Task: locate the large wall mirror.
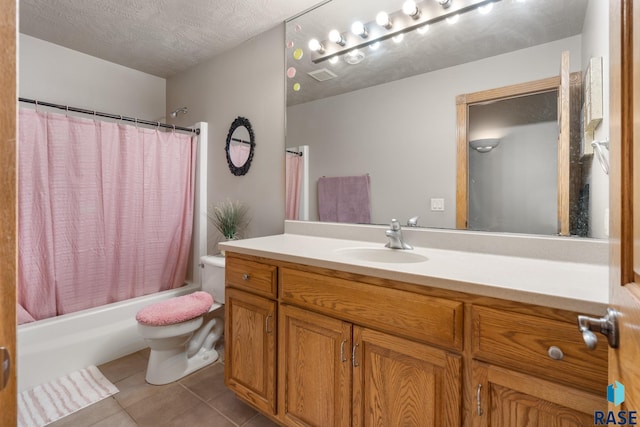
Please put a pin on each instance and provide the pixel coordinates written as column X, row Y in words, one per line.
column 389, row 109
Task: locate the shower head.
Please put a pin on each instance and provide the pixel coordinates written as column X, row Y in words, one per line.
column 183, row 110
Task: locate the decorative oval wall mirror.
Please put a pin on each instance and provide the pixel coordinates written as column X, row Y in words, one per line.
column 239, row 147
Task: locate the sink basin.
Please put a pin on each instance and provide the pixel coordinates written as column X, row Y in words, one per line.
column 384, row 255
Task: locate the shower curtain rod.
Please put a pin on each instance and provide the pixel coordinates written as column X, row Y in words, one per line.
column 111, row 116
column 297, row 153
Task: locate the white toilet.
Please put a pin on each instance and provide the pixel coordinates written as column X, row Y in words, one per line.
column 180, row 344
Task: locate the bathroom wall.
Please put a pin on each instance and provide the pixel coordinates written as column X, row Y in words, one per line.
column 595, row 42
column 245, row 81
column 413, row 122
column 52, row 73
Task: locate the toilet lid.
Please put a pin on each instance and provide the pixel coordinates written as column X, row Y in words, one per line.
column 176, row 310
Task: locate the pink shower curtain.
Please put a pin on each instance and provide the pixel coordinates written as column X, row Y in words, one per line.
column 105, row 212
column 293, row 168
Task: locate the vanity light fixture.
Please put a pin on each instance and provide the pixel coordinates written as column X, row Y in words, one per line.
column 336, row 37
column 398, row 38
column 359, row 29
column 423, row 29
column 412, row 16
column 383, row 20
column 316, row 46
column 410, row 8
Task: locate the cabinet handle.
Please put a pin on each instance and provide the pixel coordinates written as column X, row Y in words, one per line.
column 353, row 356
column 246, row 276
column 266, row 324
column 479, row 399
column 342, row 358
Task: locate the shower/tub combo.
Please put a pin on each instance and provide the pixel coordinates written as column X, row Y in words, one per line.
column 55, row 346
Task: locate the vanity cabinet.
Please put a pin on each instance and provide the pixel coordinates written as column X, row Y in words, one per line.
column 356, row 350
column 530, row 370
column 399, row 382
column 507, row 398
column 335, row 373
column 314, row 373
column 250, row 332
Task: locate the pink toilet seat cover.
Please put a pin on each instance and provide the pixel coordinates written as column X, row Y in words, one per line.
column 176, row 310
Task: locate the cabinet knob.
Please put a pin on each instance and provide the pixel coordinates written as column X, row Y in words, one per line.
column 246, row 276
column 555, row 353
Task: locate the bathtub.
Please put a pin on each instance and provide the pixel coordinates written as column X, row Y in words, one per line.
column 50, row 348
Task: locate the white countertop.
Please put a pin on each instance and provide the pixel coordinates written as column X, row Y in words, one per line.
column 566, row 285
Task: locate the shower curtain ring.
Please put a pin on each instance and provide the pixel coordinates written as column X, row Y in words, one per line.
column 66, row 114
column 36, row 106
column 174, row 128
column 157, row 126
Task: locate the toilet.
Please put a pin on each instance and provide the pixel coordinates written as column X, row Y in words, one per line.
column 180, row 340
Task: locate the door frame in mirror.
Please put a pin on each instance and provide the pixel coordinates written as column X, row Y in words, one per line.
column 463, row 102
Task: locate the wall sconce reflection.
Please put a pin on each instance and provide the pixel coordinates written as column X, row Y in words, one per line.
column 484, row 145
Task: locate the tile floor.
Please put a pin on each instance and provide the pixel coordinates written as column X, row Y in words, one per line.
column 200, row 399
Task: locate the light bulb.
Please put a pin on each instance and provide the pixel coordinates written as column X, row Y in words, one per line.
column 410, row 8
column 336, row 37
column 398, row 38
column 423, row 29
column 453, row 19
column 486, row 8
column 359, row 29
column 374, row 46
column 383, row 20
column 315, row 46
column 333, row 60
column 445, row 3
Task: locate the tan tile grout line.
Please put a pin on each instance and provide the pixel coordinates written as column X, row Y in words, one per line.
column 207, row 403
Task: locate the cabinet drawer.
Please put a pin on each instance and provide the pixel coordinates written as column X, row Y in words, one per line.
column 252, row 276
column 432, row 320
column 523, row 341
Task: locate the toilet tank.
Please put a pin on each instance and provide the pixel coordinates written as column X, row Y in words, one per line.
column 212, row 276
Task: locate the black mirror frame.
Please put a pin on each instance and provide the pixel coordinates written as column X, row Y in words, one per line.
column 240, row 170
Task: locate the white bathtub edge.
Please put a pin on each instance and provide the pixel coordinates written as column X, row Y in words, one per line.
column 51, row 348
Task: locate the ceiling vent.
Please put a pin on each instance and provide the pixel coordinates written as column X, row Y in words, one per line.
column 322, row 75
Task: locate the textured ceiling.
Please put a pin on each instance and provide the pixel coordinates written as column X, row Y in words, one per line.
column 511, row 25
column 159, row 37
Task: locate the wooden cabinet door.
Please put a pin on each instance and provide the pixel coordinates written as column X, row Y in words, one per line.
column 314, row 369
column 398, row 382
column 507, row 398
column 250, row 348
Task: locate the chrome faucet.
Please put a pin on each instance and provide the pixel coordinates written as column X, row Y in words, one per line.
column 395, row 237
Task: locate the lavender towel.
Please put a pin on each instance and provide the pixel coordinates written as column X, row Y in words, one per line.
column 345, row 199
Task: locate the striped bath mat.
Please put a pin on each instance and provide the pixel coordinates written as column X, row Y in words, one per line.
column 51, row 401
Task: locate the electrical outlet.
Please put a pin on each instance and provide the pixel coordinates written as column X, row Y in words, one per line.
column 437, row 204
